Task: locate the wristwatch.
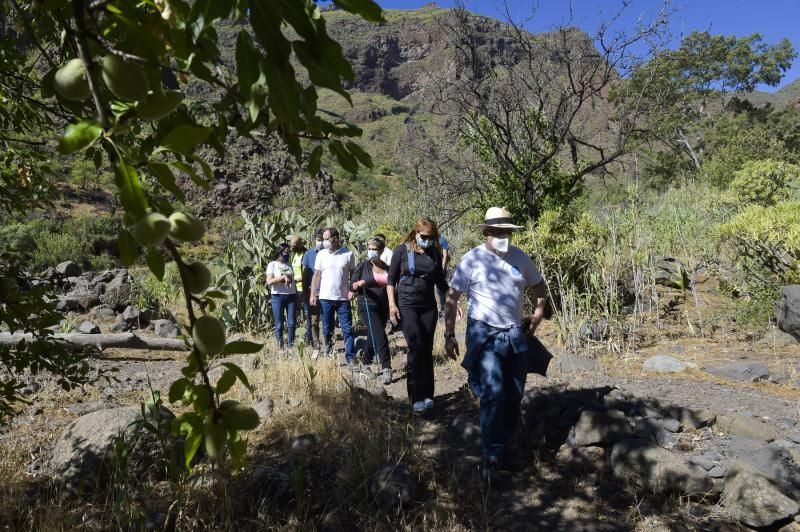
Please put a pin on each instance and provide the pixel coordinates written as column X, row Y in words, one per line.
column 449, row 335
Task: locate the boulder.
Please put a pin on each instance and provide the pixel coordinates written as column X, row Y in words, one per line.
column 87, row 327
column 591, row 458
column 117, row 294
column 135, row 318
column 658, row 469
column 103, row 311
column 166, row 328
column 747, row 426
column 391, row 487
column 787, row 311
column 593, row 330
column 692, row 418
column 570, row 363
column 670, row 272
column 754, row 501
column 778, row 338
column 68, row 269
column 741, row 371
column 78, row 301
column 663, row 364
column 599, row 427
column 83, row 455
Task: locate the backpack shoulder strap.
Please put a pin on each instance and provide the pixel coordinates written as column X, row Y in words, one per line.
column 411, row 264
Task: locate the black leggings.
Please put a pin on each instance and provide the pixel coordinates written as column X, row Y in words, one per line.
column 419, row 325
column 376, row 334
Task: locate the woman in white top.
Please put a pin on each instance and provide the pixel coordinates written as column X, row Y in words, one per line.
column 280, row 280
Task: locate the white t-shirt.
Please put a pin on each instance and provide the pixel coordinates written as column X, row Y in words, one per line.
column 386, row 256
column 494, row 285
column 335, row 268
column 278, row 269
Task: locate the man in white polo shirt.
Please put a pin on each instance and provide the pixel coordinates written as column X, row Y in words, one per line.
column 332, row 269
column 494, row 276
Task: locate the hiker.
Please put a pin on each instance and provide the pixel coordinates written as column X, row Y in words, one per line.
column 494, row 276
column 312, row 325
column 280, row 280
column 369, row 281
column 332, row 269
column 442, row 295
column 386, row 254
column 415, row 269
column 297, row 249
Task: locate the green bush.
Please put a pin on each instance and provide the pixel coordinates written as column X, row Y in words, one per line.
column 764, row 182
column 162, row 296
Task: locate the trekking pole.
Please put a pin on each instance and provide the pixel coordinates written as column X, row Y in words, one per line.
column 369, row 324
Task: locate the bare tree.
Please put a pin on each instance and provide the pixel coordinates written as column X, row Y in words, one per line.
column 534, row 107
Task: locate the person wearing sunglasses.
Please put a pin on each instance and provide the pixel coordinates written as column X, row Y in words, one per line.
column 415, row 271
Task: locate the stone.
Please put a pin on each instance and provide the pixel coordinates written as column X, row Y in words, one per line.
column 78, row 301
column 117, row 294
column 533, row 401
column 391, row 487
column 778, row 338
column 591, row 458
column 82, row 456
column 120, row 327
column 693, row 418
column 593, row 330
column 703, row 462
column 747, row 426
column 670, row 424
column 103, row 311
column 81, row 409
column 670, row 272
column 264, row 408
column 787, row 310
column 754, row 501
column 571, row 363
column 304, row 442
column 718, row 471
column 68, row 269
column 165, row 328
column 741, row 371
column 658, row 469
column 87, row 327
column 599, row 427
column 103, row 277
column 135, row 318
column 663, row 364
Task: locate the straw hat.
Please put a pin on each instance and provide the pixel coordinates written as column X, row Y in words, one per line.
column 498, row 218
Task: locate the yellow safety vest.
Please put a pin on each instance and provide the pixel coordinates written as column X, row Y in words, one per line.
column 297, row 268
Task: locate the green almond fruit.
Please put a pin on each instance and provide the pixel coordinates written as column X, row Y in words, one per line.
column 209, row 335
column 198, row 278
column 151, row 229
column 238, row 416
column 186, row 227
column 125, row 80
column 159, row 104
column 70, row 81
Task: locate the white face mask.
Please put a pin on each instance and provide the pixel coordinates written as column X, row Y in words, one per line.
column 500, row 245
column 326, row 244
column 372, row 253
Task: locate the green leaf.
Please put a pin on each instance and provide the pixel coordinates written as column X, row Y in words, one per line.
column 359, row 153
column 241, row 347
column 128, row 249
column 216, row 294
column 188, row 170
column 79, row 137
column 166, row 178
column 184, row 138
column 201, row 400
column 177, row 389
column 238, row 448
column 239, row 374
column 366, row 8
column 207, row 171
column 226, row 382
column 131, row 191
column 191, row 445
column 238, row 416
column 314, row 161
column 47, row 83
column 97, row 159
column 215, row 439
column 345, row 158
column 155, row 261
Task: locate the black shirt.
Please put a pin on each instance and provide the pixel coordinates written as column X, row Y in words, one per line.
column 375, row 294
column 417, row 290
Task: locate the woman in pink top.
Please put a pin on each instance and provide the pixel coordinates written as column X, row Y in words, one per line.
column 369, row 282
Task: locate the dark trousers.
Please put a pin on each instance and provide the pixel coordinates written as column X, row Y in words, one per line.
column 419, row 324
column 376, row 317
column 284, row 303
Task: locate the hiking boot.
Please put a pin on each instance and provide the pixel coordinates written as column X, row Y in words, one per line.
column 418, row 407
column 428, row 403
column 387, row 376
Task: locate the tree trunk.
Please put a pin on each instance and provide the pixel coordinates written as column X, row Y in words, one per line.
column 105, row 341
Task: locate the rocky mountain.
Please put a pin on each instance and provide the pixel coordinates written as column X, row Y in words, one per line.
column 787, row 96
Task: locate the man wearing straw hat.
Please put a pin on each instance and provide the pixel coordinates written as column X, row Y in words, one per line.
column 494, row 276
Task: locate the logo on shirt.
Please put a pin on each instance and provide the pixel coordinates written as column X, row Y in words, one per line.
column 515, row 271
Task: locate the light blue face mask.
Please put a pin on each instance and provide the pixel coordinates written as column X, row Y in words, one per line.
column 372, row 253
column 424, row 243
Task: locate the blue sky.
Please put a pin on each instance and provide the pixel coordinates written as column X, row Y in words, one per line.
column 773, row 19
